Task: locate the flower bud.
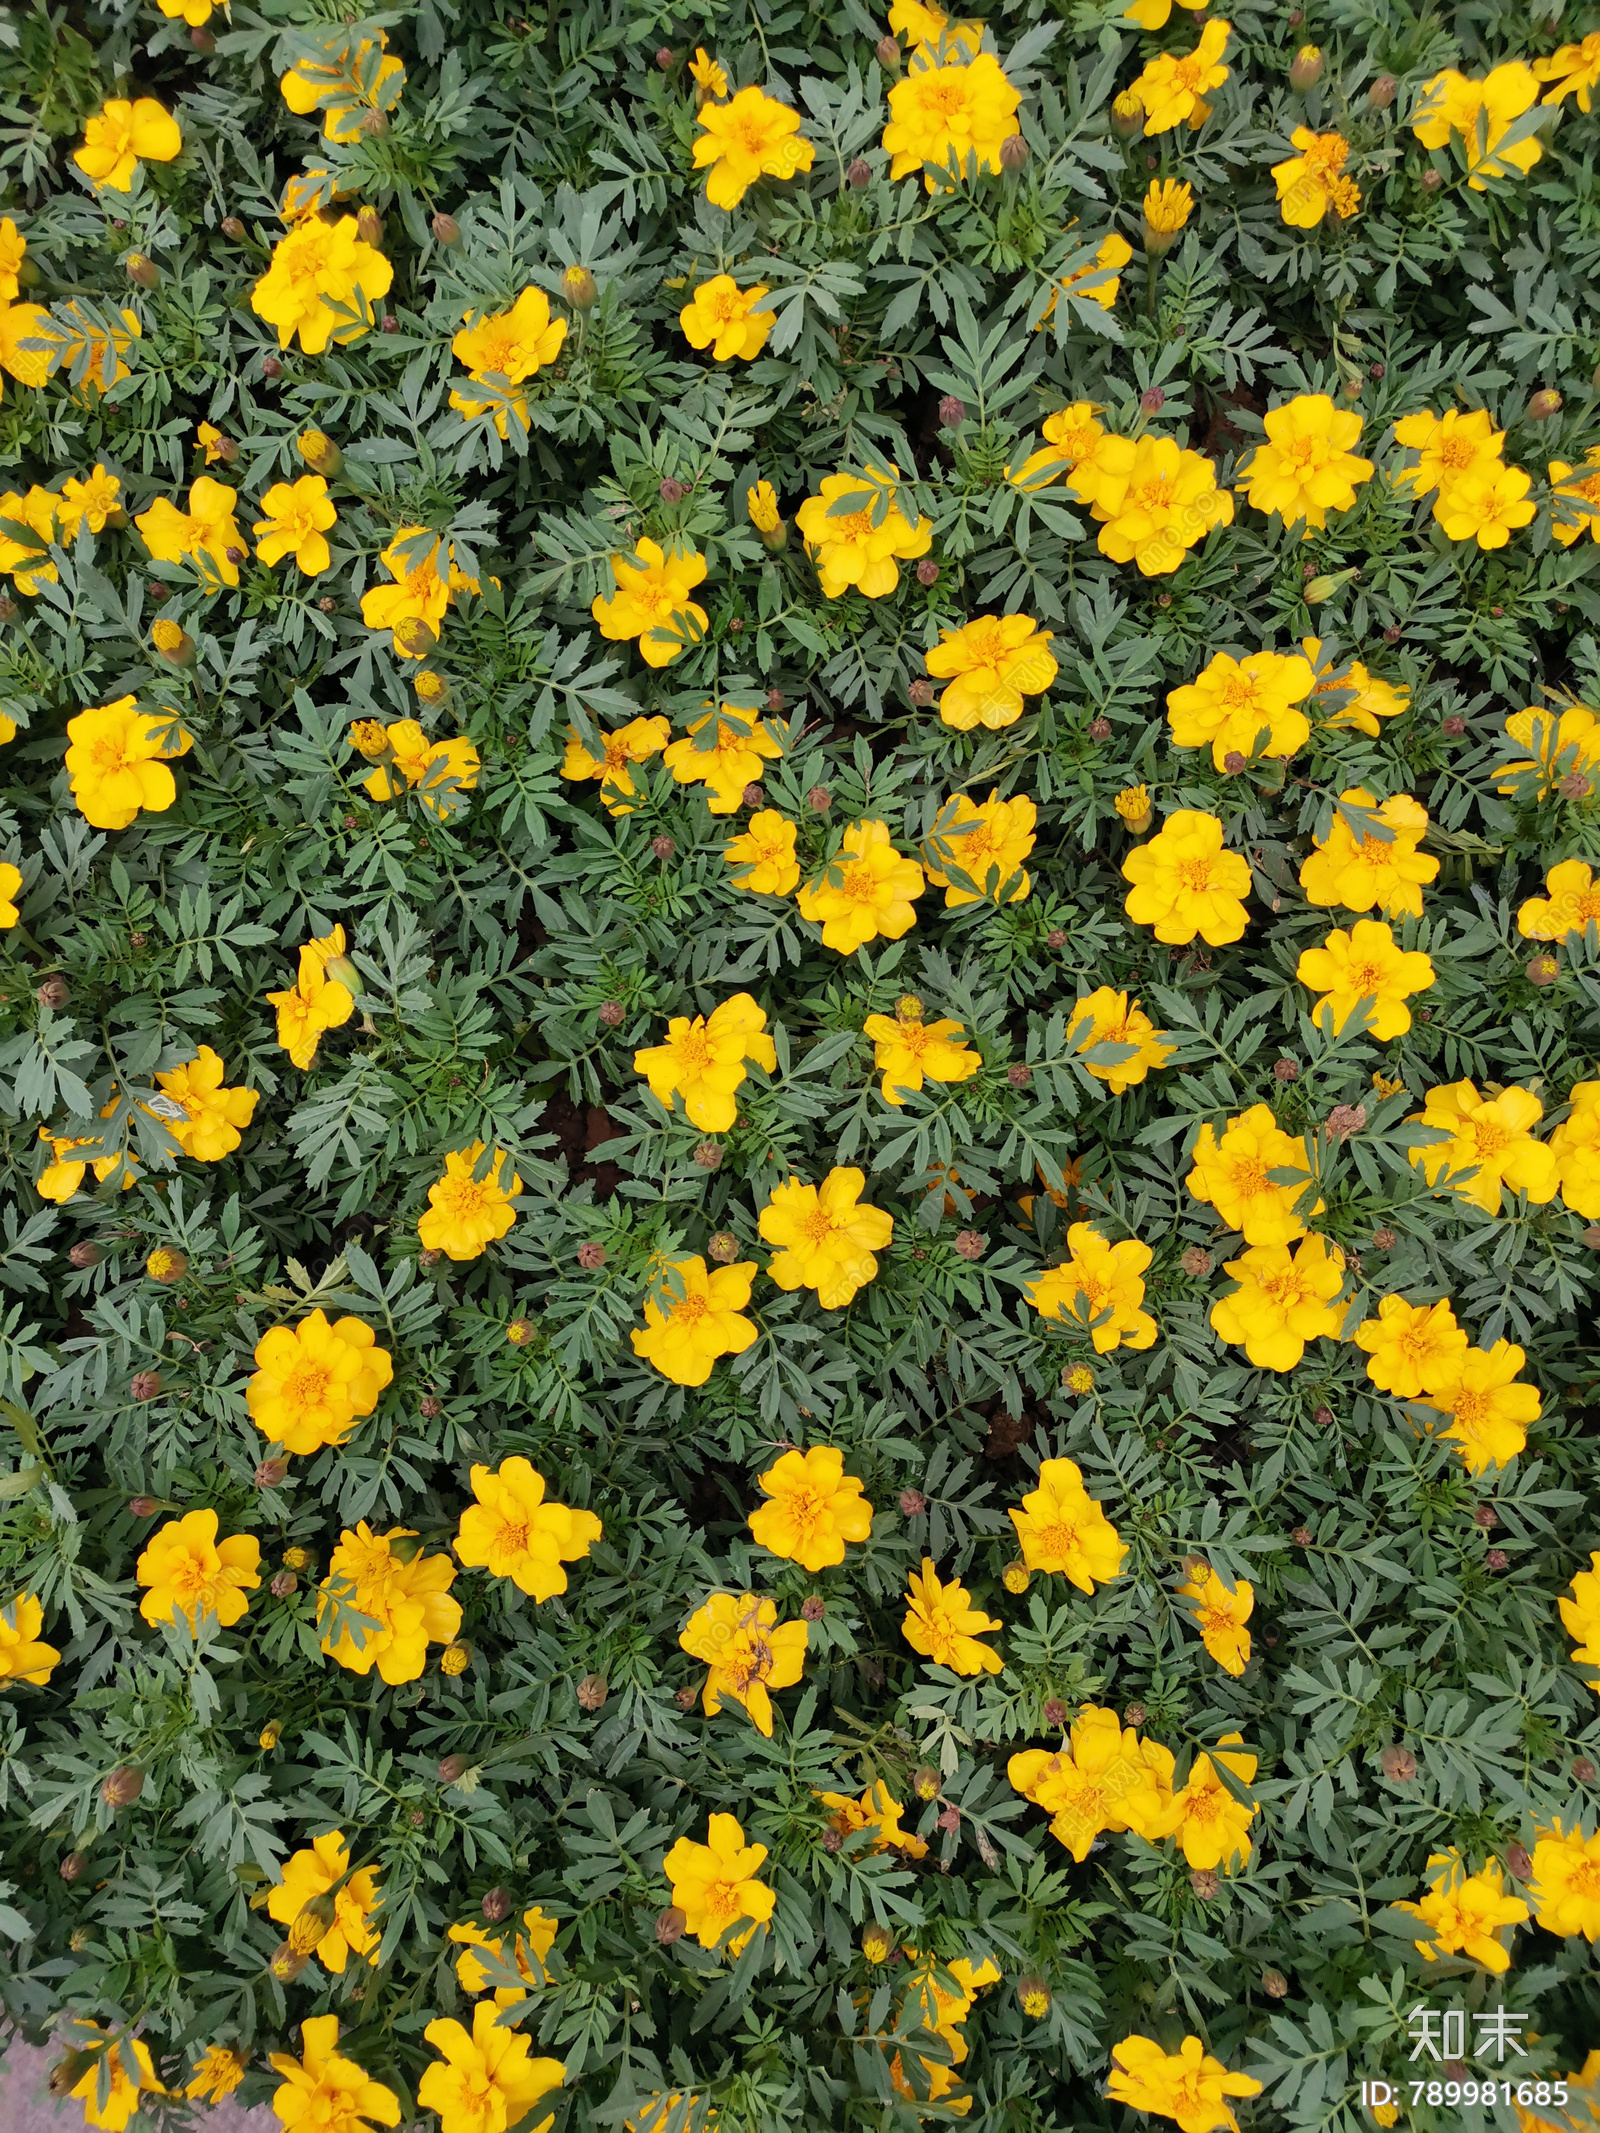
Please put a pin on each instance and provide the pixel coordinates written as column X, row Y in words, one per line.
column 1381, row 94
column 1127, row 116
column 496, row 1905
column 1322, row 1416
column 1544, row 404
column 272, row 1473
column 451, row 1768
column 312, row 1924
column 375, row 125
column 1233, row 762
column 284, row 1585
column 1302, row 1536
column 446, row 229
column 921, row 691
column 1016, row 1576
column 1274, row 1984
column 232, row 228
column 877, row 1942
column 1583, row 1770
column 1497, row 1559
column 686, row 1698
column 889, row 54
column 1399, row 1765
column 271, row 367
column 9, row 609
column 1205, row 1884
column 859, row 173
column 1453, row 727
column 414, row 638
column 1099, row 729
column 612, row 1013
column 71, row 1868
column 320, row 453
column 340, row 970
column 664, row 58
column 287, row 1962
column 388, row 324
column 591, row 1257
column 925, row 1783
column 55, row 993
column 1033, row 1995
column 166, row 1264
column 142, row 1507
column 672, row 492
column 122, row 1787
column 1013, row 152
column 1019, row 1075
column 593, row 1690
column 1519, row 1863
column 520, row 1332
column 1305, row 69
column 455, row 1659
column 298, row 1558
column 1135, row 1715
column 671, row 1925
column 579, row 288
column 1543, row 970
column 1055, row 1711
column 1431, row 180
column 708, row 1155
column 67, row 2073
column 1196, row 1261
column 969, row 1245
column 172, row 642
column 951, row 412
column 142, row 272
column 270, row 1735
column 146, row 1385
column 912, row 1503
column 812, row 1607
column 927, row 571
column 1286, row 1070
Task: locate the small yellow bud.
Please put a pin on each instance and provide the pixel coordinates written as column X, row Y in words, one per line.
column 1015, row 1577
column 579, row 288
column 455, row 1659
column 1305, row 69
column 172, row 642
column 271, row 1734
column 320, row 454
column 368, row 738
column 166, row 1264
column 877, row 1943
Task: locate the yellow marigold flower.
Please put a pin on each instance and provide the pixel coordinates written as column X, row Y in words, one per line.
column 513, row 344
column 877, row 1810
column 28, row 562
column 939, row 116
column 189, row 1572
column 1133, row 805
column 921, row 24
column 486, row 2079
column 1061, row 1528
column 1233, row 1175
column 1313, row 181
column 1580, row 1615
column 862, row 545
column 1411, row 1347
column 122, row 2104
column 469, row 1208
column 1281, row 1300
column 736, row 760
column 207, row 534
column 911, row 1051
column 22, row 1656
column 991, row 665
column 703, row 1061
column 1386, row 873
column 1568, row 526
column 761, row 503
column 1452, row 103
column 752, row 136
column 513, row 1532
column 219, row 2069
column 765, row 850
column 420, row 592
column 121, row 136
column 313, row 1381
column 1575, row 1144
column 1465, row 1913
column 1173, row 87
column 1071, row 434
column 943, row 1625
column 1493, row 1138
column 528, row 1954
column 652, row 603
column 1211, row 1826
column 1167, row 205
column 315, row 1002
column 827, row 1237
column 117, row 762
column 1563, row 741
column 714, row 1884
column 1240, row 704
column 1101, row 1286
column 1451, row 446
column 748, row 1653
column 1154, row 501
column 1099, row 1781
column 340, row 1927
column 63, row 1177
column 1220, row 1615
column 1486, row 507
column 1106, row 1018
column 13, row 250
column 10, row 883
column 1187, row 2085
column 1372, row 698
column 691, row 1317
column 1564, row 1886
column 636, row 742
column 32, row 322
column 815, row 1507
column 93, row 502
column 1306, row 468
column 345, row 84
column 723, row 317
column 212, row 1116
column 439, row 771
column 1184, row 883
column 866, row 891
column 1574, row 68
column 323, row 2088
column 1362, row 965
column 409, row 1601
column 211, row 441
column 295, row 522
column 986, row 841
column 707, row 76
column 1489, row 1413
column 316, row 266
column 1114, row 251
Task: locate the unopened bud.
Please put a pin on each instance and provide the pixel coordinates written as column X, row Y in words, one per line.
column 287, row 1962
column 496, row 1906
column 1286, row 1070
column 54, row 992
column 1305, row 69
column 1497, row 1559
column 591, row 1256
column 146, row 1385
column 912, row 1503
column 723, row 1247
column 579, row 288
column 455, row 1659
column 812, row 1607
column 1302, row 1536
column 9, row 609
column 708, row 1155
column 671, row 1925
column 663, row 847
column 889, row 54
column 921, row 691
column 414, row 638
column 320, row 453
column 1322, row 1416
column 859, row 173
column 1583, row 1770
column 1574, row 786
column 1099, row 729
column 1543, row 970
column 122, row 1787
column 951, row 412
column 232, row 228
column 142, row 1506
column 672, row 491
column 612, row 1013
column 925, row 1783
column 171, row 641
column 68, row 2072
column 1152, row 400
column 1519, row 1863
column 1453, row 727
column 1127, row 116
column 166, row 1265
column 1274, row 1984
column 927, row 571
column 1204, row 1882
column 969, row 1244
column 819, row 799
column 1013, row 152
column 446, row 229
column 1055, row 1711
column 84, row 1254
column 202, row 41
column 272, row 1473
column 1233, row 762
column 1543, row 405
column 451, row 1768
column 1399, row 1765
column 520, row 1332
column 1016, row 1576
column 270, row 1735
column 685, row 1698
column 1033, row 1995
column 1381, row 94
column 142, row 272
column 1196, row 1261
column 271, row 367
column 1019, row 1075
column 593, row 1690
column 284, row 1584
column 71, row 1868
column 375, row 125
column 1431, row 180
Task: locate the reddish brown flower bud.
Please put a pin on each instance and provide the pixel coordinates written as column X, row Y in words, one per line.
column 969, row 1244
column 1543, row 405
column 663, row 847
column 146, row 1385
column 1574, row 786
column 1152, row 400
column 388, row 323
column 889, row 54
column 612, row 1014
column 1055, row 1711
column 84, row 1254
column 446, row 229
column 1135, row 1715
column 951, row 412
column 1497, row 1559
column 672, row 491
column 686, row 1698
column 753, row 796
column 1322, row 1416
column 520, row 1332
column 1196, row 1261
column 143, row 1506
column 723, row 1247
column 272, row 1473
column 1583, row 1770
column 271, row 367
column 453, row 1767
column 819, row 799
column 1287, row 1070
column 232, row 228
column 593, row 1690
column 1393, row 633
column 1204, row 1882
column 496, row 1906
column 912, row 1503
column 1019, row 1075
column 1274, row 1984
column 921, row 691
column 591, row 1256
column 71, row 1868
column 708, row 1155
column 122, row 1787
column 1431, row 181
column 1099, row 729
column 1399, row 1765
column 1384, row 1240
column 283, row 1584
column 1013, row 152
column 1302, row 1536
column 1381, row 94
column 859, row 173
column 831, row 1840
column 1233, row 762
column 1519, row 1862
column 55, row 993
column 1486, row 1516
column 925, row 1783
column 927, row 571
column 429, row 1408
column 671, row 1925
column 1056, row 937
column 812, row 1607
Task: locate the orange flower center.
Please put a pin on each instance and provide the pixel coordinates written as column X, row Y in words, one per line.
column 1325, row 157
column 1248, row 1176
column 860, row 884
column 694, row 1049
column 1365, row 977
column 308, row 1385
column 108, row 756
column 1471, row 1407
column 1585, row 1879
column 1057, row 1539
column 817, row 1227
column 688, row 1311
column 1154, row 494
column 1194, row 874
column 1489, row 1138
column 854, row 526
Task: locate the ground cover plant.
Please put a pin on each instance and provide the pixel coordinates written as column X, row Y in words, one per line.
column 800, row 1063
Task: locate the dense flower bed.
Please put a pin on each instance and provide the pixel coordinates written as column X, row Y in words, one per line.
column 801, row 1065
